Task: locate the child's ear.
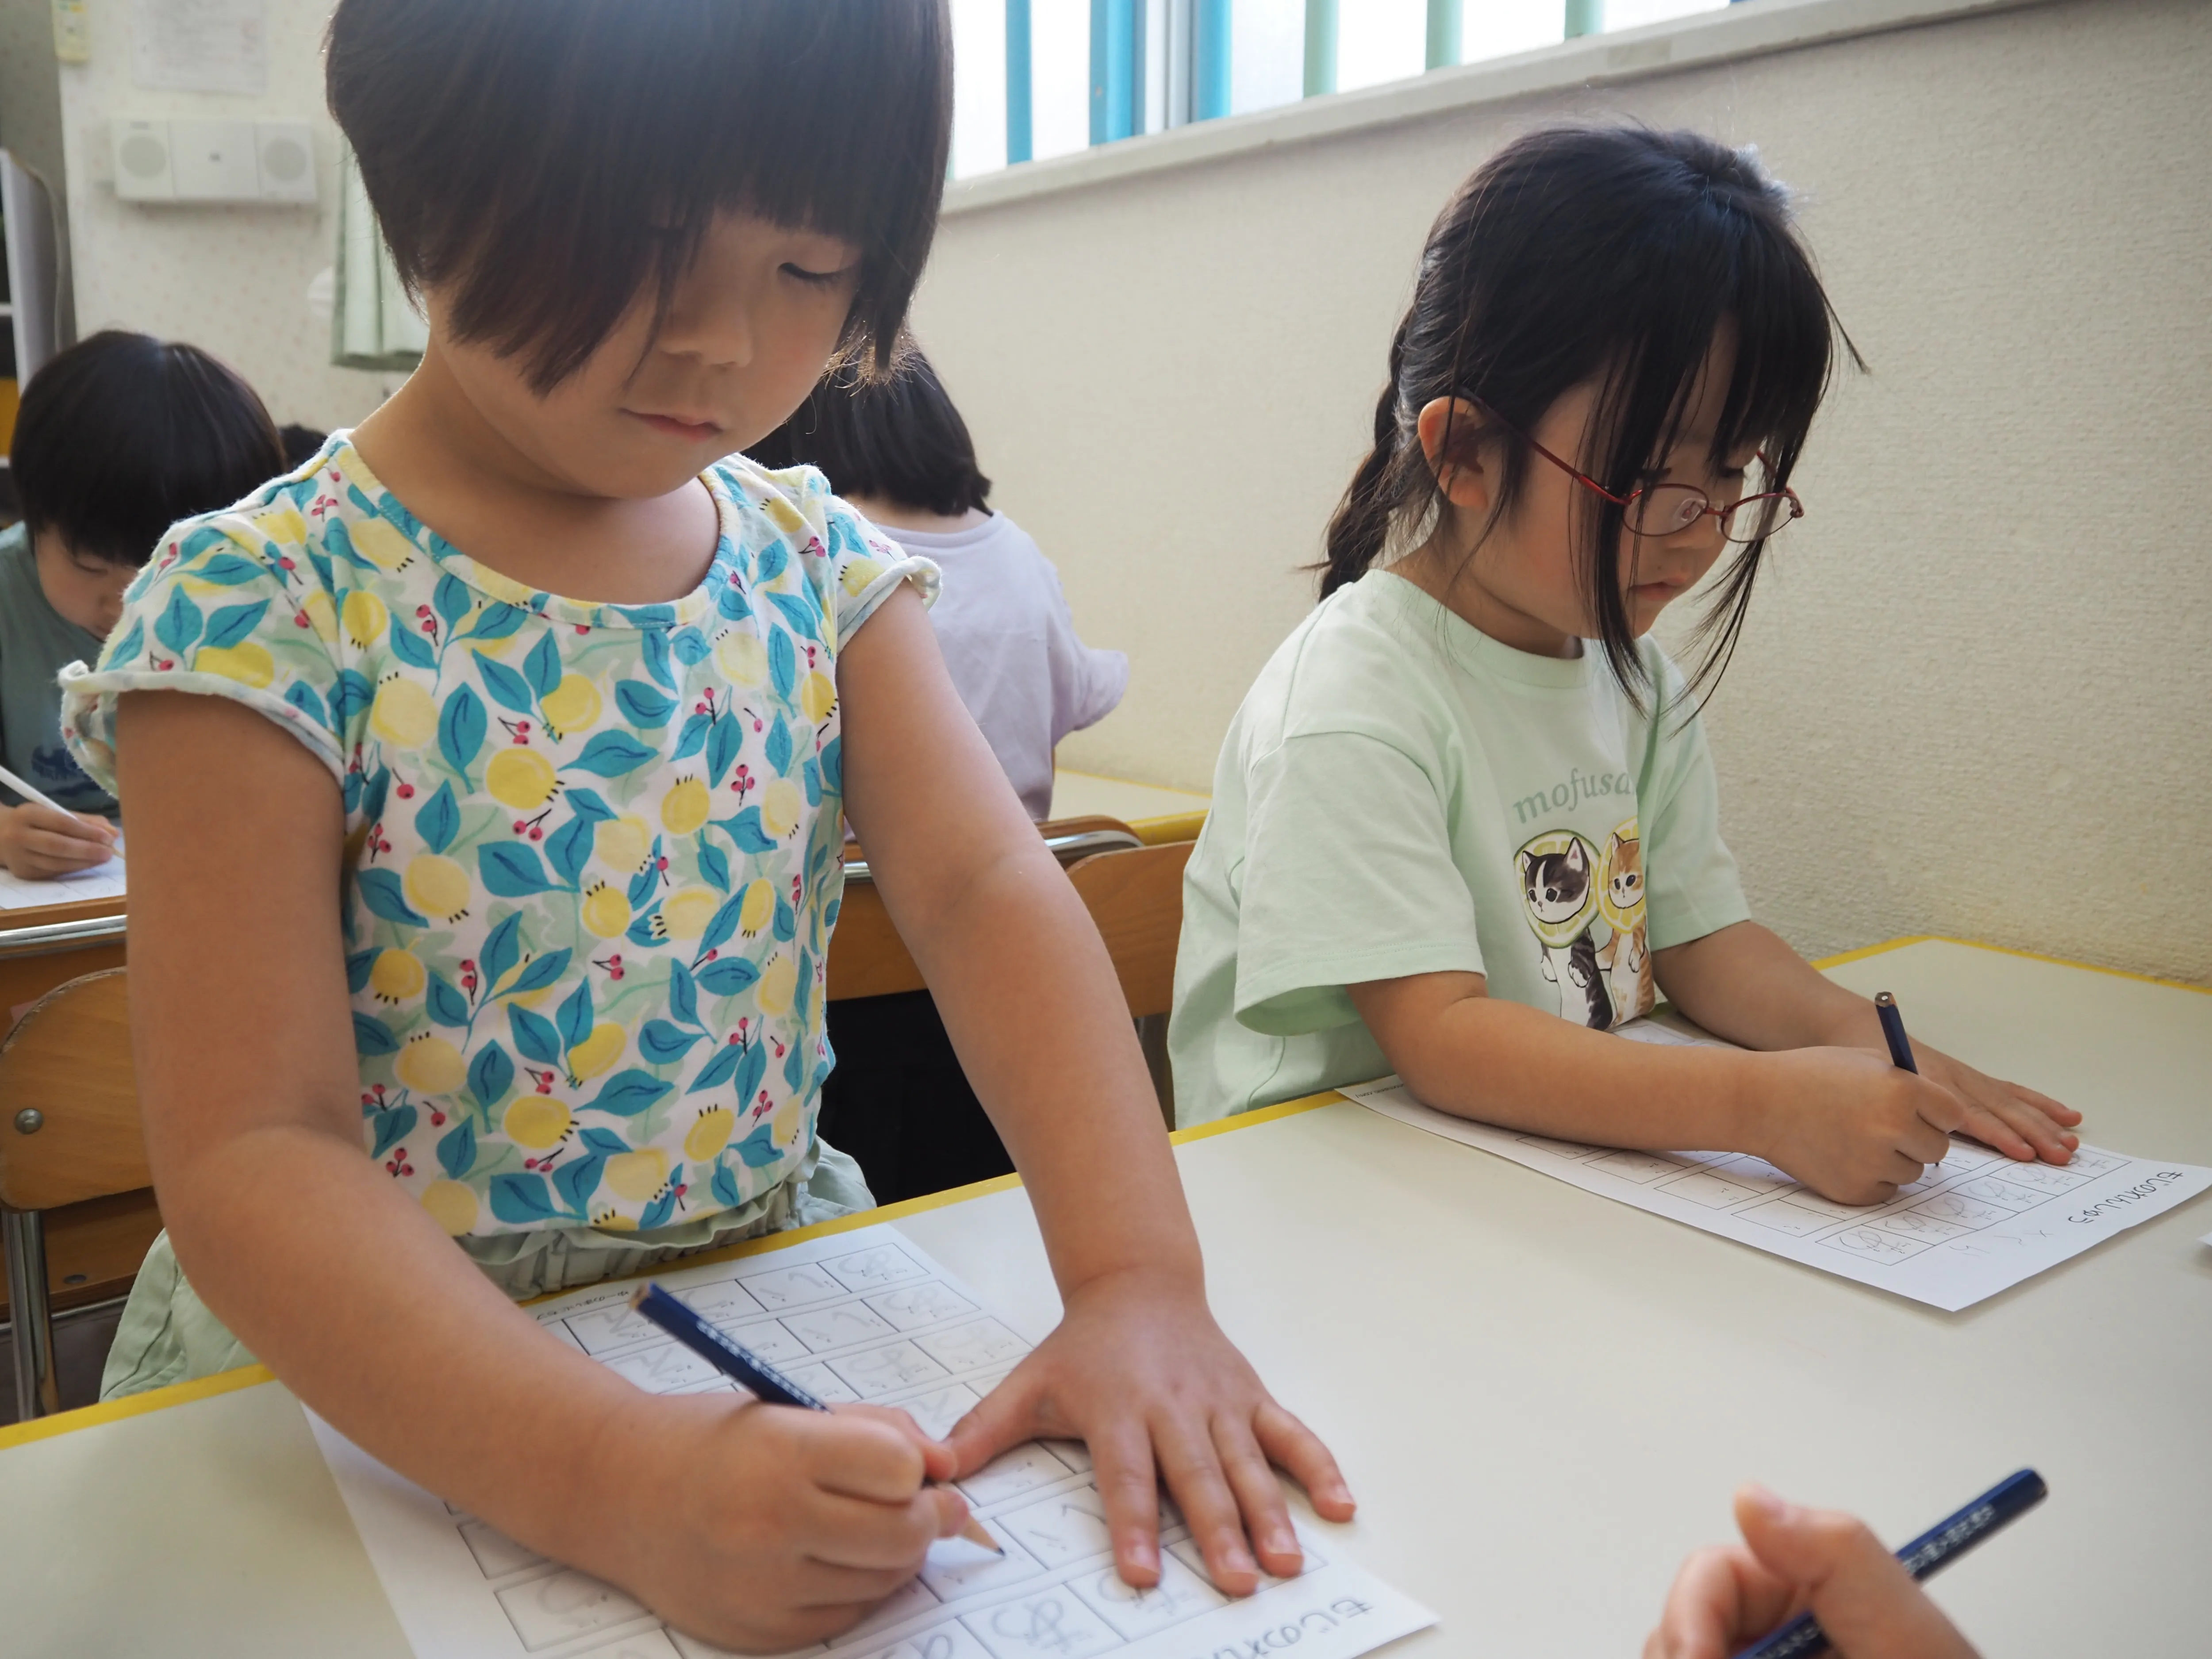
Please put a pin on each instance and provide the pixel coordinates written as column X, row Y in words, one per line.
column 1450, row 431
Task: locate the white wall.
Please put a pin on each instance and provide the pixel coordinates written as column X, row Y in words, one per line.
column 231, row 279
column 1972, row 698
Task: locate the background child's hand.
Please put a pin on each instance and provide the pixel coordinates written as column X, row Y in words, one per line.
column 1138, row 1370
column 2012, row 1119
column 1850, row 1124
column 38, row 843
column 763, row 1528
column 1801, row 1559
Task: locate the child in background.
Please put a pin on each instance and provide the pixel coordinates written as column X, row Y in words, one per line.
column 1795, row 1560
column 896, row 450
column 1468, row 796
column 118, row 437
column 495, row 763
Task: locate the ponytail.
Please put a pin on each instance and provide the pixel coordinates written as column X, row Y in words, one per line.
column 1359, row 529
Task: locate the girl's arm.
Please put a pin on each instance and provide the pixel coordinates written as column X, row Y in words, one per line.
column 1743, row 983
column 242, row 1032
column 1843, row 1120
column 1137, row 1368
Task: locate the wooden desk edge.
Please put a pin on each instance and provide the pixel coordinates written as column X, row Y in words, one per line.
column 179, row 1394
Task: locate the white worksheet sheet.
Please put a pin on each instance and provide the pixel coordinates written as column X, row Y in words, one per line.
column 103, row 881
column 861, row 1315
column 1974, row 1225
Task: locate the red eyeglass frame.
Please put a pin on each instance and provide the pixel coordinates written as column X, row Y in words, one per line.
column 1624, row 502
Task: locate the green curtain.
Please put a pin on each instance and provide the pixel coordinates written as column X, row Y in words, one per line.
column 374, row 324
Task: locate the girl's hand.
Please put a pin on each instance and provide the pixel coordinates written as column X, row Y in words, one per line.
column 38, row 843
column 1139, row 1371
column 763, row 1528
column 1850, row 1124
column 2005, row 1116
column 1801, row 1560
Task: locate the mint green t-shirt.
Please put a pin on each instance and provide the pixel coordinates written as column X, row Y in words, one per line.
column 1401, row 794
column 36, row 643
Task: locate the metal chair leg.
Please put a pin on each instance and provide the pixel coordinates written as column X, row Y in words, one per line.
column 37, row 1392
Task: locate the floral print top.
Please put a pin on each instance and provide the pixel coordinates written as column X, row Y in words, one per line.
column 593, row 851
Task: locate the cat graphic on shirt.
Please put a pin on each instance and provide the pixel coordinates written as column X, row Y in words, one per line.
column 1559, row 885
column 1625, row 958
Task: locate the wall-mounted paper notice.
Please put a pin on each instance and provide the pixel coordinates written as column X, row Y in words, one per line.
column 200, row 45
column 859, row 1316
column 1972, row 1225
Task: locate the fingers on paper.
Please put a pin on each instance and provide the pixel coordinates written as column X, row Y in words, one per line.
column 1128, row 1483
column 1293, row 1447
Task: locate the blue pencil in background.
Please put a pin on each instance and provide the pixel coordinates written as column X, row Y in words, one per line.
column 1934, row 1550
column 739, row 1364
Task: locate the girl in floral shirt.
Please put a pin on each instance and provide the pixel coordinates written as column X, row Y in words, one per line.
column 484, row 779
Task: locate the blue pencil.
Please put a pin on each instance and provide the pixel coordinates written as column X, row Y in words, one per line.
column 762, row 1380
column 1934, row 1550
column 1893, row 1030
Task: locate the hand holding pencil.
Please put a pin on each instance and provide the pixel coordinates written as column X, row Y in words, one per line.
column 41, row 840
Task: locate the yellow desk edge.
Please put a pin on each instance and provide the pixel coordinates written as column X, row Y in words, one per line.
column 179, row 1394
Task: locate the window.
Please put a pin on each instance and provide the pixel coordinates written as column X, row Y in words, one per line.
column 1040, row 78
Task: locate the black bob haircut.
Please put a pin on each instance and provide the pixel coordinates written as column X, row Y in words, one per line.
column 121, row 436
column 1613, row 255
column 895, row 437
column 547, row 161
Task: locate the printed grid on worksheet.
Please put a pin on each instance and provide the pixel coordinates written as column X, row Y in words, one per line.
column 875, row 1325
column 1972, row 1189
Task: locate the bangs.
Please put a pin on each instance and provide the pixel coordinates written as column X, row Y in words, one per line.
column 503, row 140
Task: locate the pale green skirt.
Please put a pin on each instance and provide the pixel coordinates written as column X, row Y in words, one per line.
column 167, row 1335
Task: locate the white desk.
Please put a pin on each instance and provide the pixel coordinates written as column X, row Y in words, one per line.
column 1542, row 1399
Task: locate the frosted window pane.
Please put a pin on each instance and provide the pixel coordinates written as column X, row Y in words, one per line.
column 979, row 87
column 1059, row 89
column 1634, row 13
column 1379, row 40
column 1499, row 28
column 1266, row 53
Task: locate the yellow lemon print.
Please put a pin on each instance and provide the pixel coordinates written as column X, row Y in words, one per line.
column 572, row 706
column 598, row 1051
column 316, row 608
column 741, row 656
column 708, row 1133
column 430, row 1066
column 452, row 1205
column 520, row 778
column 381, row 544
column 686, row 913
column 784, row 1125
column 858, row 573
column 364, row 616
column 282, row 524
column 621, row 843
column 504, row 588
column 758, row 908
column 780, row 805
column 437, row 886
column 817, row 695
column 776, row 984
column 403, row 715
column 397, row 975
column 248, row 663
column 613, row 1223
column 607, row 909
column 684, row 808
column 535, row 1122
column 637, row 1176
column 786, row 517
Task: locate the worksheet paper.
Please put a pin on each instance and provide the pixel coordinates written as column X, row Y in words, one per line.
column 1974, row 1225
column 861, row 1315
column 103, row 881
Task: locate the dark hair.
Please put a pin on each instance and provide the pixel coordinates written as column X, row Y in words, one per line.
column 1613, row 254
column 896, row 438
column 121, row 436
column 550, row 159
column 301, row 444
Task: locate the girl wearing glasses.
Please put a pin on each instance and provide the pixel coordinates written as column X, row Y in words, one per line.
column 1466, row 824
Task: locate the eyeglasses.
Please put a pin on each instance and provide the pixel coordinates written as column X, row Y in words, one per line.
column 1669, row 509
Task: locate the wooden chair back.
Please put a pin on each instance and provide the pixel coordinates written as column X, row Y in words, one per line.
column 1136, row 898
column 867, row 957
column 68, row 1061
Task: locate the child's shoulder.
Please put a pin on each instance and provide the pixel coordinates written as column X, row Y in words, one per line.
column 795, row 508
